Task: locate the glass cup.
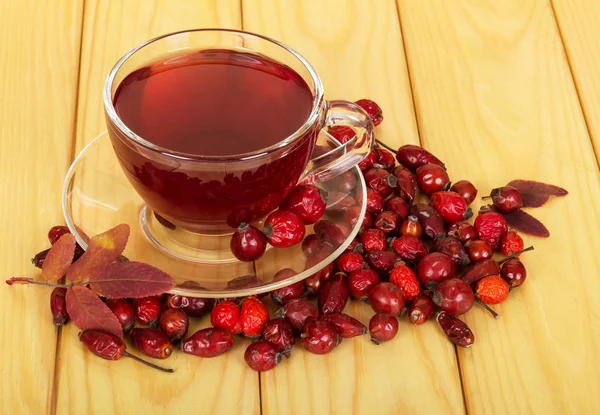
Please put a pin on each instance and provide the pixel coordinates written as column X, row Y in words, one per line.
column 210, row 195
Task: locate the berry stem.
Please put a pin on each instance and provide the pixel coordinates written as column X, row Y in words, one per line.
column 379, row 143
column 486, row 197
column 487, row 307
column 152, row 365
column 514, row 255
column 27, row 281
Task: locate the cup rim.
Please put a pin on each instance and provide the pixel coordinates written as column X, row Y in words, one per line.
column 114, row 118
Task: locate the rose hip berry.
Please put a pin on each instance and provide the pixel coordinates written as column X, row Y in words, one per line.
column 174, row 323
column 381, row 180
column 281, row 295
column 361, row 282
column 210, row 342
column 404, row 278
column 432, row 178
column 351, row 216
column 399, row 206
column 492, row 289
column 454, row 249
column 341, row 133
column 406, row 186
column 262, row 356
column 381, row 261
column 298, row 312
column 412, row 157
column 421, row 310
column 226, row 315
column 375, row 201
column 320, row 337
column 454, row 296
column 507, row 199
column 306, row 202
column 58, row 306
column 329, row 233
column 479, row 250
column 479, row 270
column 193, row 306
column 386, row 298
column 490, row 227
column 373, row 240
column 451, row 206
column 463, row 231
column 388, row 222
column 371, row 108
column 368, row 162
column 313, row 283
column 147, row 310
column 152, row 342
column 333, row 296
column 284, row 229
column 56, row 232
column 123, row 310
column 455, row 330
column 385, row 159
column 345, row 325
column 511, row 242
column 513, row 272
column 311, row 245
column 435, row 268
column 349, row 261
column 253, row 317
column 248, row 243
column 430, row 220
column 411, row 227
column 466, row 189
column 383, row 328
column 409, row 248
column 280, row 332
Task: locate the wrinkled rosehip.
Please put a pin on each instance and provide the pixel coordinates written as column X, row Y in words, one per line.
column 307, row 202
column 409, row 248
column 333, row 296
column 511, row 243
column 361, row 282
column 310, row 245
column 298, row 312
column 58, row 306
column 147, row 310
column 404, row 278
column 381, row 261
column 280, row 332
column 454, row 249
column 413, row 157
column 490, row 227
column 406, row 184
column 152, row 342
column 388, row 222
column 281, row 295
column 123, row 310
column 398, row 206
column 492, row 289
column 451, row 206
column 352, row 215
column 432, row 178
column 411, row 227
column 368, row 162
column 174, row 323
column 355, row 246
column 480, row 270
column 466, row 189
column 513, row 272
column 381, row 180
column 430, row 220
column 507, row 199
column 339, row 203
column 383, row 328
column 39, row 258
column 248, row 243
column 253, row 317
column 386, row 298
column 454, row 296
column 455, row 330
column 375, row 202
column 103, row 344
column 193, row 306
column 373, row 240
column 478, row 250
column 210, row 342
column 349, row 261
column 463, row 231
column 56, row 232
column 372, row 109
column 314, row 283
column 262, row 356
column 346, row 326
column 284, row 229
column 385, row 159
column 435, row 268
column 341, row 133
column 421, row 309
column 226, row 315
column 320, row 337
column 329, row 233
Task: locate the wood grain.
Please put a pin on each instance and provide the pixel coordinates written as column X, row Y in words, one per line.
column 39, row 61
column 579, row 24
column 356, row 47
column 495, row 99
column 87, row 384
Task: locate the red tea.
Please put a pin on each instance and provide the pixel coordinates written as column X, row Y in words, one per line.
column 213, row 103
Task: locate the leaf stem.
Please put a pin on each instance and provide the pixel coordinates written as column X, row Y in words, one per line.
column 487, row 307
column 379, row 143
column 27, row 281
column 515, row 254
column 152, row 365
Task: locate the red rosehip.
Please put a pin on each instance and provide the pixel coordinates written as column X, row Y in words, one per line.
column 320, row 337
column 253, row 317
column 492, row 289
column 226, row 315
column 371, row 108
column 306, row 202
column 58, row 307
column 404, row 278
column 349, row 261
column 341, row 133
column 490, row 227
column 432, row 178
column 280, row 332
column 513, row 272
column 147, row 310
column 507, row 199
column 386, row 298
column 409, row 248
column 375, row 201
column 311, row 245
column 373, row 240
column 334, row 295
column 511, row 243
column 152, row 342
column 388, row 222
column 466, row 189
column 411, row 227
column 329, row 233
column 435, row 267
column 399, row 206
column 406, row 186
column 124, row 312
column 298, row 312
column 209, row 342
column 451, row 206
column 345, row 325
column 454, row 249
column 368, row 162
column 352, row 215
column 383, row 328
column 248, row 243
column 174, row 323
column 381, row 261
column 262, row 355
column 56, row 232
column 421, row 309
column 360, row 283
column 281, row 295
column 412, row 157
column 430, row 220
column 454, row 296
column 463, row 231
column 478, row 250
column 385, row 159
column 355, row 246
column 380, row 180
column 284, row 229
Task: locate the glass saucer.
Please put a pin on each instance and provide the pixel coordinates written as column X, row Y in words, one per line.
column 98, row 196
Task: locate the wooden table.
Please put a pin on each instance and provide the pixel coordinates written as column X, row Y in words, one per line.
column 498, row 89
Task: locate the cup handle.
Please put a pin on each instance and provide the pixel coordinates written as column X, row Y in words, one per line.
column 347, row 155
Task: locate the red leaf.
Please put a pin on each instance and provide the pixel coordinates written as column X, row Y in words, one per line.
column 129, row 280
column 526, row 223
column 535, row 194
column 59, row 258
column 103, row 249
column 87, row 311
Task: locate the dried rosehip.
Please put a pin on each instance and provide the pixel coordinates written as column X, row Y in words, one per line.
column 208, row 342
column 248, row 243
column 511, row 243
column 352, row 215
column 381, row 180
column 262, row 356
column 349, row 261
column 307, row 202
column 412, row 157
column 284, row 229
column 329, row 233
column 435, row 268
column 375, row 201
column 492, row 289
column 451, row 206
column 368, row 162
column 411, row 227
column 345, row 325
column 430, row 220
column 398, row 206
column 58, row 306
column 311, row 245
column 432, row 178
column 454, row 249
column 490, row 227
column 281, row 295
column 455, row 330
column 152, row 342
column 420, row 310
column 314, row 283
column 406, row 184
column 481, row 269
column 340, row 202
column 385, row 159
column 56, row 232
column 226, row 314
column 147, row 310
column 193, row 306
column 355, row 246
column 409, row 248
column 253, row 317
column 388, row 222
column 513, row 272
column 372, row 109
column 466, row 189
column 373, row 240
column 386, row 298
column 174, row 323
column 123, row 310
column 39, row 258
column 479, row 250
column 298, row 312
column 333, row 296
column 383, row 328
column 360, row 283
column 381, row 261
column 280, row 332
column 404, row 278
column 454, row 296
column 507, row 199
column 320, row 337
column 341, row 133
column 463, row 231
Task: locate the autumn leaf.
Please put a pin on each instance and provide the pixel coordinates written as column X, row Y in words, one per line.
column 535, row 194
column 526, row 223
column 102, row 249
column 129, row 280
column 87, row 311
column 59, row 258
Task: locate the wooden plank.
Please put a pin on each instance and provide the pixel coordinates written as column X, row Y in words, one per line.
column 579, row 25
column 88, row 384
column 496, row 101
column 356, row 47
column 39, row 61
